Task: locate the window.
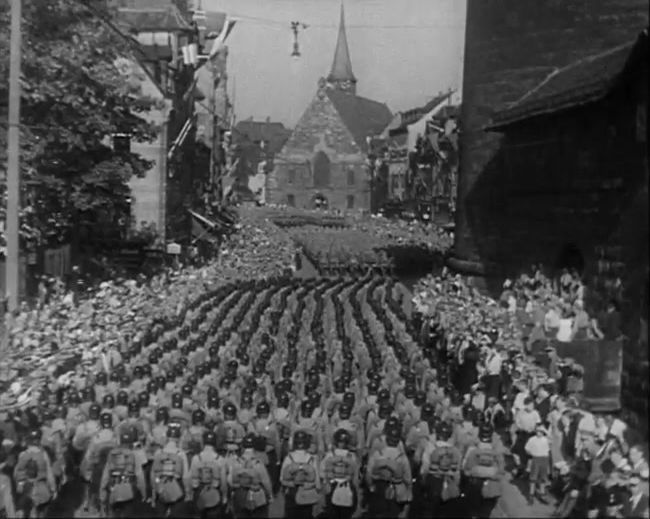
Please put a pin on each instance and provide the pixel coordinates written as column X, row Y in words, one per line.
column 350, row 176
column 291, row 200
column 121, row 143
column 291, row 178
column 350, row 201
column 322, row 169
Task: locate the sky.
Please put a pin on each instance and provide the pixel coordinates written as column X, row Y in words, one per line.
column 403, row 52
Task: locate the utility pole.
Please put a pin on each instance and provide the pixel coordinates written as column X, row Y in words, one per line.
column 12, row 255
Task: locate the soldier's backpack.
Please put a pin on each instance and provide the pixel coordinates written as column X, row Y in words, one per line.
column 387, row 468
column 486, row 464
column 443, row 459
column 31, row 469
column 338, row 470
column 121, row 470
column 168, row 471
column 303, row 476
column 209, row 495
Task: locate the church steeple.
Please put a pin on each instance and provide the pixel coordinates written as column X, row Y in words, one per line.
column 341, row 76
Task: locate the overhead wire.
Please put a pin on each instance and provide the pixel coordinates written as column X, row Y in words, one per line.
column 279, row 23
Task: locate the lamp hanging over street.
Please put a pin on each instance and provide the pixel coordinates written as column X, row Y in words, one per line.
column 295, row 27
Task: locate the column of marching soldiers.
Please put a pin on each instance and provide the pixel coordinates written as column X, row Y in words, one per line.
column 300, row 387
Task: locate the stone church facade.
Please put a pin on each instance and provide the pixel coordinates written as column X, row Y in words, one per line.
column 323, row 163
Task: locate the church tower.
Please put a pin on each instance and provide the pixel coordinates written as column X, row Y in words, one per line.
column 341, row 76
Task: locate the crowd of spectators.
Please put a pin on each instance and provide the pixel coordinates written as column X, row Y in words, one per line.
column 591, row 463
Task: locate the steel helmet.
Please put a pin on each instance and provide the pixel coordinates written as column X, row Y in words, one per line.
column 443, row 431
column 122, row 398
column 301, row 440
column 393, row 436
column 126, row 436
column 342, row 438
column 209, row 438
column 348, row 398
column 229, row 411
column 306, row 408
column 345, row 411
column 94, row 411
column 162, row 415
column 174, row 430
column 198, row 417
column 134, row 408
column 410, row 391
column 213, row 401
column 385, row 410
column 152, row 386
column 106, row 420
column 108, row 401
column 427, row 411
column 177, row 401
column 263, row 409
column 248, row 442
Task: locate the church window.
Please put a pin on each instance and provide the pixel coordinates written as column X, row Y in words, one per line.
column 291, row 200
column 350, row 201
column 350, row 176
column 322, row 170
column 292, row 176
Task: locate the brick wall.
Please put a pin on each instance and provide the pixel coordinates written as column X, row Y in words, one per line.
column 319, row 129
column 512, row 45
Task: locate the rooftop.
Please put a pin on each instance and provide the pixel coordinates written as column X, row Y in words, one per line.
column 363, row 117
column 584, row 81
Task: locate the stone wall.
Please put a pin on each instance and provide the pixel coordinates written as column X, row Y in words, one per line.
column 319, row 129
column 511, row 46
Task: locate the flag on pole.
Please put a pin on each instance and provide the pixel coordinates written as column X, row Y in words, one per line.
column 220, row 40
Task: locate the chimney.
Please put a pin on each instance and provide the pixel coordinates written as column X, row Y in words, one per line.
column 268, row 120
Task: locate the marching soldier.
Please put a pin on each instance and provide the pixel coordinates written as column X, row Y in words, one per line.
column 440, row 471
column 170, row 477
column 250, row 483
column 389, row 478
column 340, row 474
column 484, row 466
column 299, row 475
column 35, row 485
column 209, row 478
column 122, row 483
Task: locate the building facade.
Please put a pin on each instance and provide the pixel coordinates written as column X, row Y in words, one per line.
column 324, row 161
column 511, row 46
column 196, row 108
column 575, row 179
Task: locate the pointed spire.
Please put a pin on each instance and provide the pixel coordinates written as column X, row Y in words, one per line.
column 341, row 76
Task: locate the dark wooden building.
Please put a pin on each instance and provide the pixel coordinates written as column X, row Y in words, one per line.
column 554, row 152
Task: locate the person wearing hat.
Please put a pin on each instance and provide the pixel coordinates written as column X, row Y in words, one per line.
column 538, row 447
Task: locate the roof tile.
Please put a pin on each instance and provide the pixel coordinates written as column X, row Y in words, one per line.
column 583, row 81
column 363, row 117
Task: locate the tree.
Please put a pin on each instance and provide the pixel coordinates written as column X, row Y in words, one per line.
column 74, row 99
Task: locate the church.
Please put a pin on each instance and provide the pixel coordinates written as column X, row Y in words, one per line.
column 323, row 163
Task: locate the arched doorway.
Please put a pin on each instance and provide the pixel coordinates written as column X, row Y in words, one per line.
column 322, row 170
column 570, row 257
column 319, row 201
